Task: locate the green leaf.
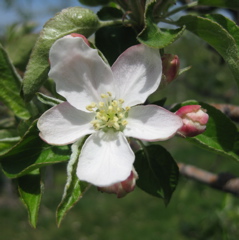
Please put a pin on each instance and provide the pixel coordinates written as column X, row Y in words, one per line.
column 70, row 20
column 230, row 26
column 74, row 189
column 158, row 172
column 8, row 138
column 221, row 35
column 19, row 50
column 152, row 35
column 112, row 41
column 220, row 135
column 10, row 84
column 234, row 4
column 30, row 188
column 48, row 100
column 31, row 153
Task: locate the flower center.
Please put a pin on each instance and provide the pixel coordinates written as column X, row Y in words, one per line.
column 109, row 113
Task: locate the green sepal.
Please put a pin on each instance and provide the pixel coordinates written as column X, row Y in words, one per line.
column 31, row 153
column 221, row 135
column 157, row 170
column 30, row 188
column 70, row 20
column 74, row 188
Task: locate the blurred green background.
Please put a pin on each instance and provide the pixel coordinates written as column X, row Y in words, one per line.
column 195, row 212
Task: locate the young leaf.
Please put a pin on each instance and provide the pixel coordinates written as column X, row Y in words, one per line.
column 74, row 189
column 152, row 35
column 70, row 20
column 31, row 153
column 158, row 172
column 233, row 4
column 221, row 132
column 221, row 36
column 30, row 188
column 10, row 83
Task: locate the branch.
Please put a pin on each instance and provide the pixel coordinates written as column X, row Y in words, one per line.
column 225, row 182
column 231, row 111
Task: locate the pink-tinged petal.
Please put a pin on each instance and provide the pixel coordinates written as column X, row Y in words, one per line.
column 152, row 123
column 105, row 159
column 72, row 35
column 64, row 124
column 122, row 188
column 79, row 72
column 194, row 120
column 137, row 74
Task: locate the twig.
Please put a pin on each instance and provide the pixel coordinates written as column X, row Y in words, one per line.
column 225, row 182
column 231, row 111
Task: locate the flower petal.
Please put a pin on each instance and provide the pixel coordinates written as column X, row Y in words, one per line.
column 137, row 74
column 151, row 123
column 64, row 124
column 105, row 159
column 79, row 72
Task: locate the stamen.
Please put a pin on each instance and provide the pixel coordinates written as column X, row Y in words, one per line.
column 103, row 95
column 109, row 114
column 101, row 104
column 91, row 106
column 124, row 122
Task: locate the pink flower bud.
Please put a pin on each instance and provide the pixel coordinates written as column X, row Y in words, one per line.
column 194, row 119
column 78, row 35
column 171, row 66
column 122, row 188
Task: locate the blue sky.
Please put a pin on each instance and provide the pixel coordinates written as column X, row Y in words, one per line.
column 38, row 10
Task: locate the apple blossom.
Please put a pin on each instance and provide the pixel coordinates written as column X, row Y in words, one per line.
column 194, row 119
column 102, row 101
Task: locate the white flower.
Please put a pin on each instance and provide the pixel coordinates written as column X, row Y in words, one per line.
column 101, row 102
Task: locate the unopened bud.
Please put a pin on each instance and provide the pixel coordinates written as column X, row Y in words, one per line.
column 73, row 35
column 171, row 66
column 122, row 188
column 194, row 119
